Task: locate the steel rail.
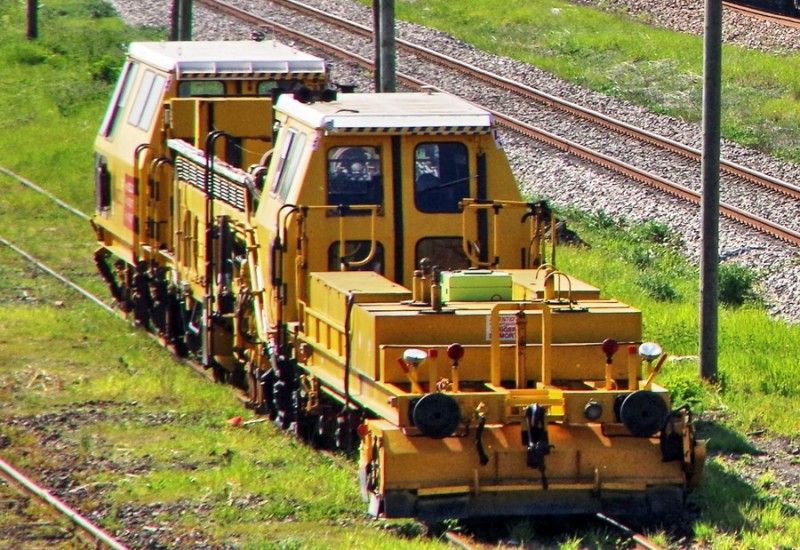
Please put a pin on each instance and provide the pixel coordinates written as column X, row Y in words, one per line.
column 98, row 301
column 88, row 530
column 779, row 231
column 41, row 265
column 45, row 192
column 778, row 19
column 731, row 212
column 459, row 541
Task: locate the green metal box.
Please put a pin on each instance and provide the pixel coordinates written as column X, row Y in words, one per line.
column 475, row 285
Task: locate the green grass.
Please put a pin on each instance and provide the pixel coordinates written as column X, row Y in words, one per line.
column 261, row 487
column 626, row 58
column 191, row 455
column 759, row 379
column 47, row 122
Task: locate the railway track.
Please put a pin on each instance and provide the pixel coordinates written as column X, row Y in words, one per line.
column 739, row 182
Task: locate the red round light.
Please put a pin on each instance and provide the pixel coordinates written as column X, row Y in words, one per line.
column 362, row 430
column 610, row 346
column 455, row 351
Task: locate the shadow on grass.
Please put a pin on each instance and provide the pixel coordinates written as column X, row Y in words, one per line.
column 725, row 498
column 722, row 439
column 722, row 498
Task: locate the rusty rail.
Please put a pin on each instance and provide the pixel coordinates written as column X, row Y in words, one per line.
column 87, row 530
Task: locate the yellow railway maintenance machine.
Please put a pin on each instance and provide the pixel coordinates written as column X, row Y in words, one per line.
column 376, row 279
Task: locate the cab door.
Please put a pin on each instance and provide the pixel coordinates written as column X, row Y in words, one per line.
column 439, row 172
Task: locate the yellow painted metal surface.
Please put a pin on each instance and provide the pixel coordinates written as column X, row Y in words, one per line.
column 581, row 456
column 529, row 285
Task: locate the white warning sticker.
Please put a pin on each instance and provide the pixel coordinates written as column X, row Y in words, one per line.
column 508, row 328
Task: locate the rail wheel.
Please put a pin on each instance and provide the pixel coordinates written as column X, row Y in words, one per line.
column 346, row 436
column 140, row 296
column 175, row 324
column 283, row 390
column 159, row 301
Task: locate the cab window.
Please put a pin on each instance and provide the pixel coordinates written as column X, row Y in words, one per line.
column 195, row 88
column 266, row 87
column 441, row 176
column 147, row 99
column 288, row 162
column 354, row 176
column 443, row 252
column 119, row 99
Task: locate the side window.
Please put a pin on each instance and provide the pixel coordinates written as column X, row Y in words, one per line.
column 266, row 87
column 441, row 176
column 147, row 100
column 356, row 251
column 119, row 99
column 288, row 162
column 354, row 176
column 193, row 88
column 102, row 183
column 442, row 252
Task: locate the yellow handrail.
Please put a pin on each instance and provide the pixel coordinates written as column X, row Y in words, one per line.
column 521, row 381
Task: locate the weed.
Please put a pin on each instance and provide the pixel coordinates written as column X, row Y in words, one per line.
column 601, row 220
column 98, row 9
column 736, row 284
column 85, row 446
column 775, row 381
column 658, row 286
column 105, row 69
column 688, row 390
column 641, row 257
column 408, row 529
column 655, row 232
column 25, row 54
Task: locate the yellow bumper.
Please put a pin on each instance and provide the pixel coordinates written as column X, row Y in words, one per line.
column 585, row 471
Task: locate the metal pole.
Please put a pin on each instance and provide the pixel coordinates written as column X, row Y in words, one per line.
column 385, row 78
column 709, row 204
column 33, row 19
column 185, row 20
column 174, row 24
column 376, row 42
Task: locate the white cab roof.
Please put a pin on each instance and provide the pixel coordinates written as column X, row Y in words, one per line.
column 399, row 112
column 241, row 57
